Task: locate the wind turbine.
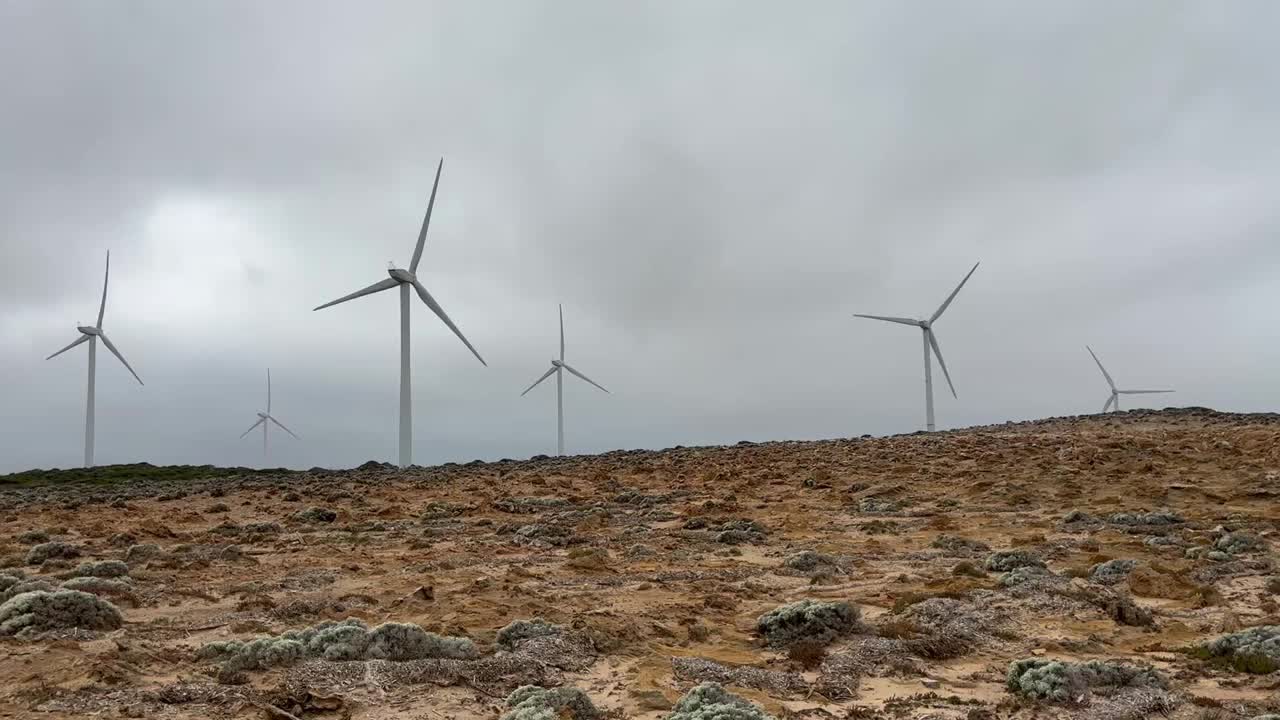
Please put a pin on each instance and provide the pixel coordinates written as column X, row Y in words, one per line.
column 557, row 368
column 406, row 279
column 263, row 417
column 1114, row 399
column 930, row 341
column 91, row 334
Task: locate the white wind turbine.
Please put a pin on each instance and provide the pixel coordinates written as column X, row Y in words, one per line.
column 91, row 334
column 557, row 368
column 930, row 341
column 406, row 279
column 263, row 417
column 1114, row 399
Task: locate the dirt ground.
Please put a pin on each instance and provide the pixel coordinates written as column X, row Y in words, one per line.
column 658, row 565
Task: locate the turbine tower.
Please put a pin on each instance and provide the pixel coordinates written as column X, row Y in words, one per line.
column 1114, row 398
column 557, row 368
column 930, row 343
column 407, row 279
column 91, row 334
column 263, row 417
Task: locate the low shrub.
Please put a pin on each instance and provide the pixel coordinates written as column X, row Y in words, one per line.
column 531, row 702
column 1006, row 560
column 710, row 701
column 517, row 630
column 1069, row 682
column 347, row 640
column 51, row 550
column 40, row 610
column 1112, row 571
column 812, row 620
column 1255, row 650
column 315, row 515
column 807, row 560
column 102, row 569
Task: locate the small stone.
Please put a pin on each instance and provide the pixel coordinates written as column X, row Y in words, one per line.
column 930, row 683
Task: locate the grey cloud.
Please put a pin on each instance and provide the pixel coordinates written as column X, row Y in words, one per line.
column 711, row 189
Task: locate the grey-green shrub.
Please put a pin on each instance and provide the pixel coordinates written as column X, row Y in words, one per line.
column 7, row 581
column 39, row 611
column 145, row 551
column 811, row 620
column 806, row 560
column 50, row 550
column 1235, row 543
column 531, row 702
column 33, row 537
column 1028, row 574
column 1263, row 640
column 519, row 630
column 959, row 545
column 344, row 640
column 710, row 701
column 1163, row 517
column 1066, row 682
column 102, row 569
column 1006, row 560
column 25, row 586
column 315, row 515
column 1112, row 571
column 100, row 586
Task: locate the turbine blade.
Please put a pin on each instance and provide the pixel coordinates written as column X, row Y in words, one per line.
column 105, row 276
column 537, row 382
column 943, row 308
column 268, row 391
column 1142, row 392
column 562, row 333
column 77, row 341
column 439, row 311
column 282, row 427
column 1105, row 374
column 374, row 288
column 933, row 341
column 107, row 341
column 584, row 377
column 1110, row 399
column 900, row 321
column 251, row 427
column 422, row 234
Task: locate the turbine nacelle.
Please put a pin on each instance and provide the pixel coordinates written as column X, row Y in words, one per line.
column 402, row 275
column 88, row 330
column 262, row 415
column 557, row 364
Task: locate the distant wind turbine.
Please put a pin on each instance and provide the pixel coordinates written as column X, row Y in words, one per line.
column 557, row 368
column 1114, row 399
column 406, row 279
column 91, row 334
column 930, row 341
column 263, row 417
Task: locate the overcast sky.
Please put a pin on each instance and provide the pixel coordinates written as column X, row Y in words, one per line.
column 710, row 188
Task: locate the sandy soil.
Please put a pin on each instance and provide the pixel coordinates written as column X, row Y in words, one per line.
column 626, row 551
